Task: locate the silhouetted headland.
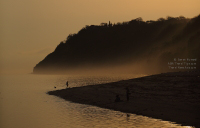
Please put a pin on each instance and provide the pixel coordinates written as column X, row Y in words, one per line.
column 147, row 46
column 171, row 96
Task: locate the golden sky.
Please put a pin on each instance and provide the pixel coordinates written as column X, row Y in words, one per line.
column 31, row 29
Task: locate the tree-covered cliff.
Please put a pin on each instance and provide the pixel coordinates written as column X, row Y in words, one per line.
column 148, row 46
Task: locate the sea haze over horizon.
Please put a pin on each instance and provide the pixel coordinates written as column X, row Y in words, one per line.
column 32, row 29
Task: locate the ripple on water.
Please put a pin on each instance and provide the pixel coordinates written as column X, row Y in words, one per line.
column 81, row 115
column 25, row 104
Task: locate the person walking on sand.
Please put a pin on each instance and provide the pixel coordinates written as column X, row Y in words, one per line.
column 127, row 93
column 67, row 83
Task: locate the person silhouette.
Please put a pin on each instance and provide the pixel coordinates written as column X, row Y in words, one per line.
column 67, row 83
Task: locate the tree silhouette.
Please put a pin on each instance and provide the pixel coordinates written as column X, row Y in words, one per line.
column 125, row 42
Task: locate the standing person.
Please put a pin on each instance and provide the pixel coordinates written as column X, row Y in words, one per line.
column 67, row 83
column 127, row 93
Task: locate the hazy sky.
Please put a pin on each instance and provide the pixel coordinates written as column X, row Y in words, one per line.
column 31, row 29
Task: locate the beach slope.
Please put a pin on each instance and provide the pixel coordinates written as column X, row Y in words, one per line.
column 168, row 96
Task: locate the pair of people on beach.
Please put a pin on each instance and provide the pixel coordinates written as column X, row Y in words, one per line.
column 127, row 95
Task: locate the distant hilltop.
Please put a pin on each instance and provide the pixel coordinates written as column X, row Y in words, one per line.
column 134, row 46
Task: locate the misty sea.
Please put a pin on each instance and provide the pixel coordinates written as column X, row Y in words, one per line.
column 24, row 103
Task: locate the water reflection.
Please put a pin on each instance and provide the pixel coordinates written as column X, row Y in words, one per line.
column 91, row 116
column 25, row 104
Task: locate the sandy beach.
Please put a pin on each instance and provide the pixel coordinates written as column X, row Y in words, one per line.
column 171, row 96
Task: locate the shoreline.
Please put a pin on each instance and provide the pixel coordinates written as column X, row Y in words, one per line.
column 173, row 96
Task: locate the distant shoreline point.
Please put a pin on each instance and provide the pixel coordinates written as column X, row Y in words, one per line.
column 173, row 96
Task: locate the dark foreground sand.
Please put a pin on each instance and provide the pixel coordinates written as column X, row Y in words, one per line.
column 169, row 96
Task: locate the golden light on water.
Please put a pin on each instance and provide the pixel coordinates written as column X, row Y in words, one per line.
column 24, row 103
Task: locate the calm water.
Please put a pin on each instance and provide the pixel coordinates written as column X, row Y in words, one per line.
column 25, row 104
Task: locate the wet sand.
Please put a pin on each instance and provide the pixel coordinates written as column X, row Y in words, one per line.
column 172, row 97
